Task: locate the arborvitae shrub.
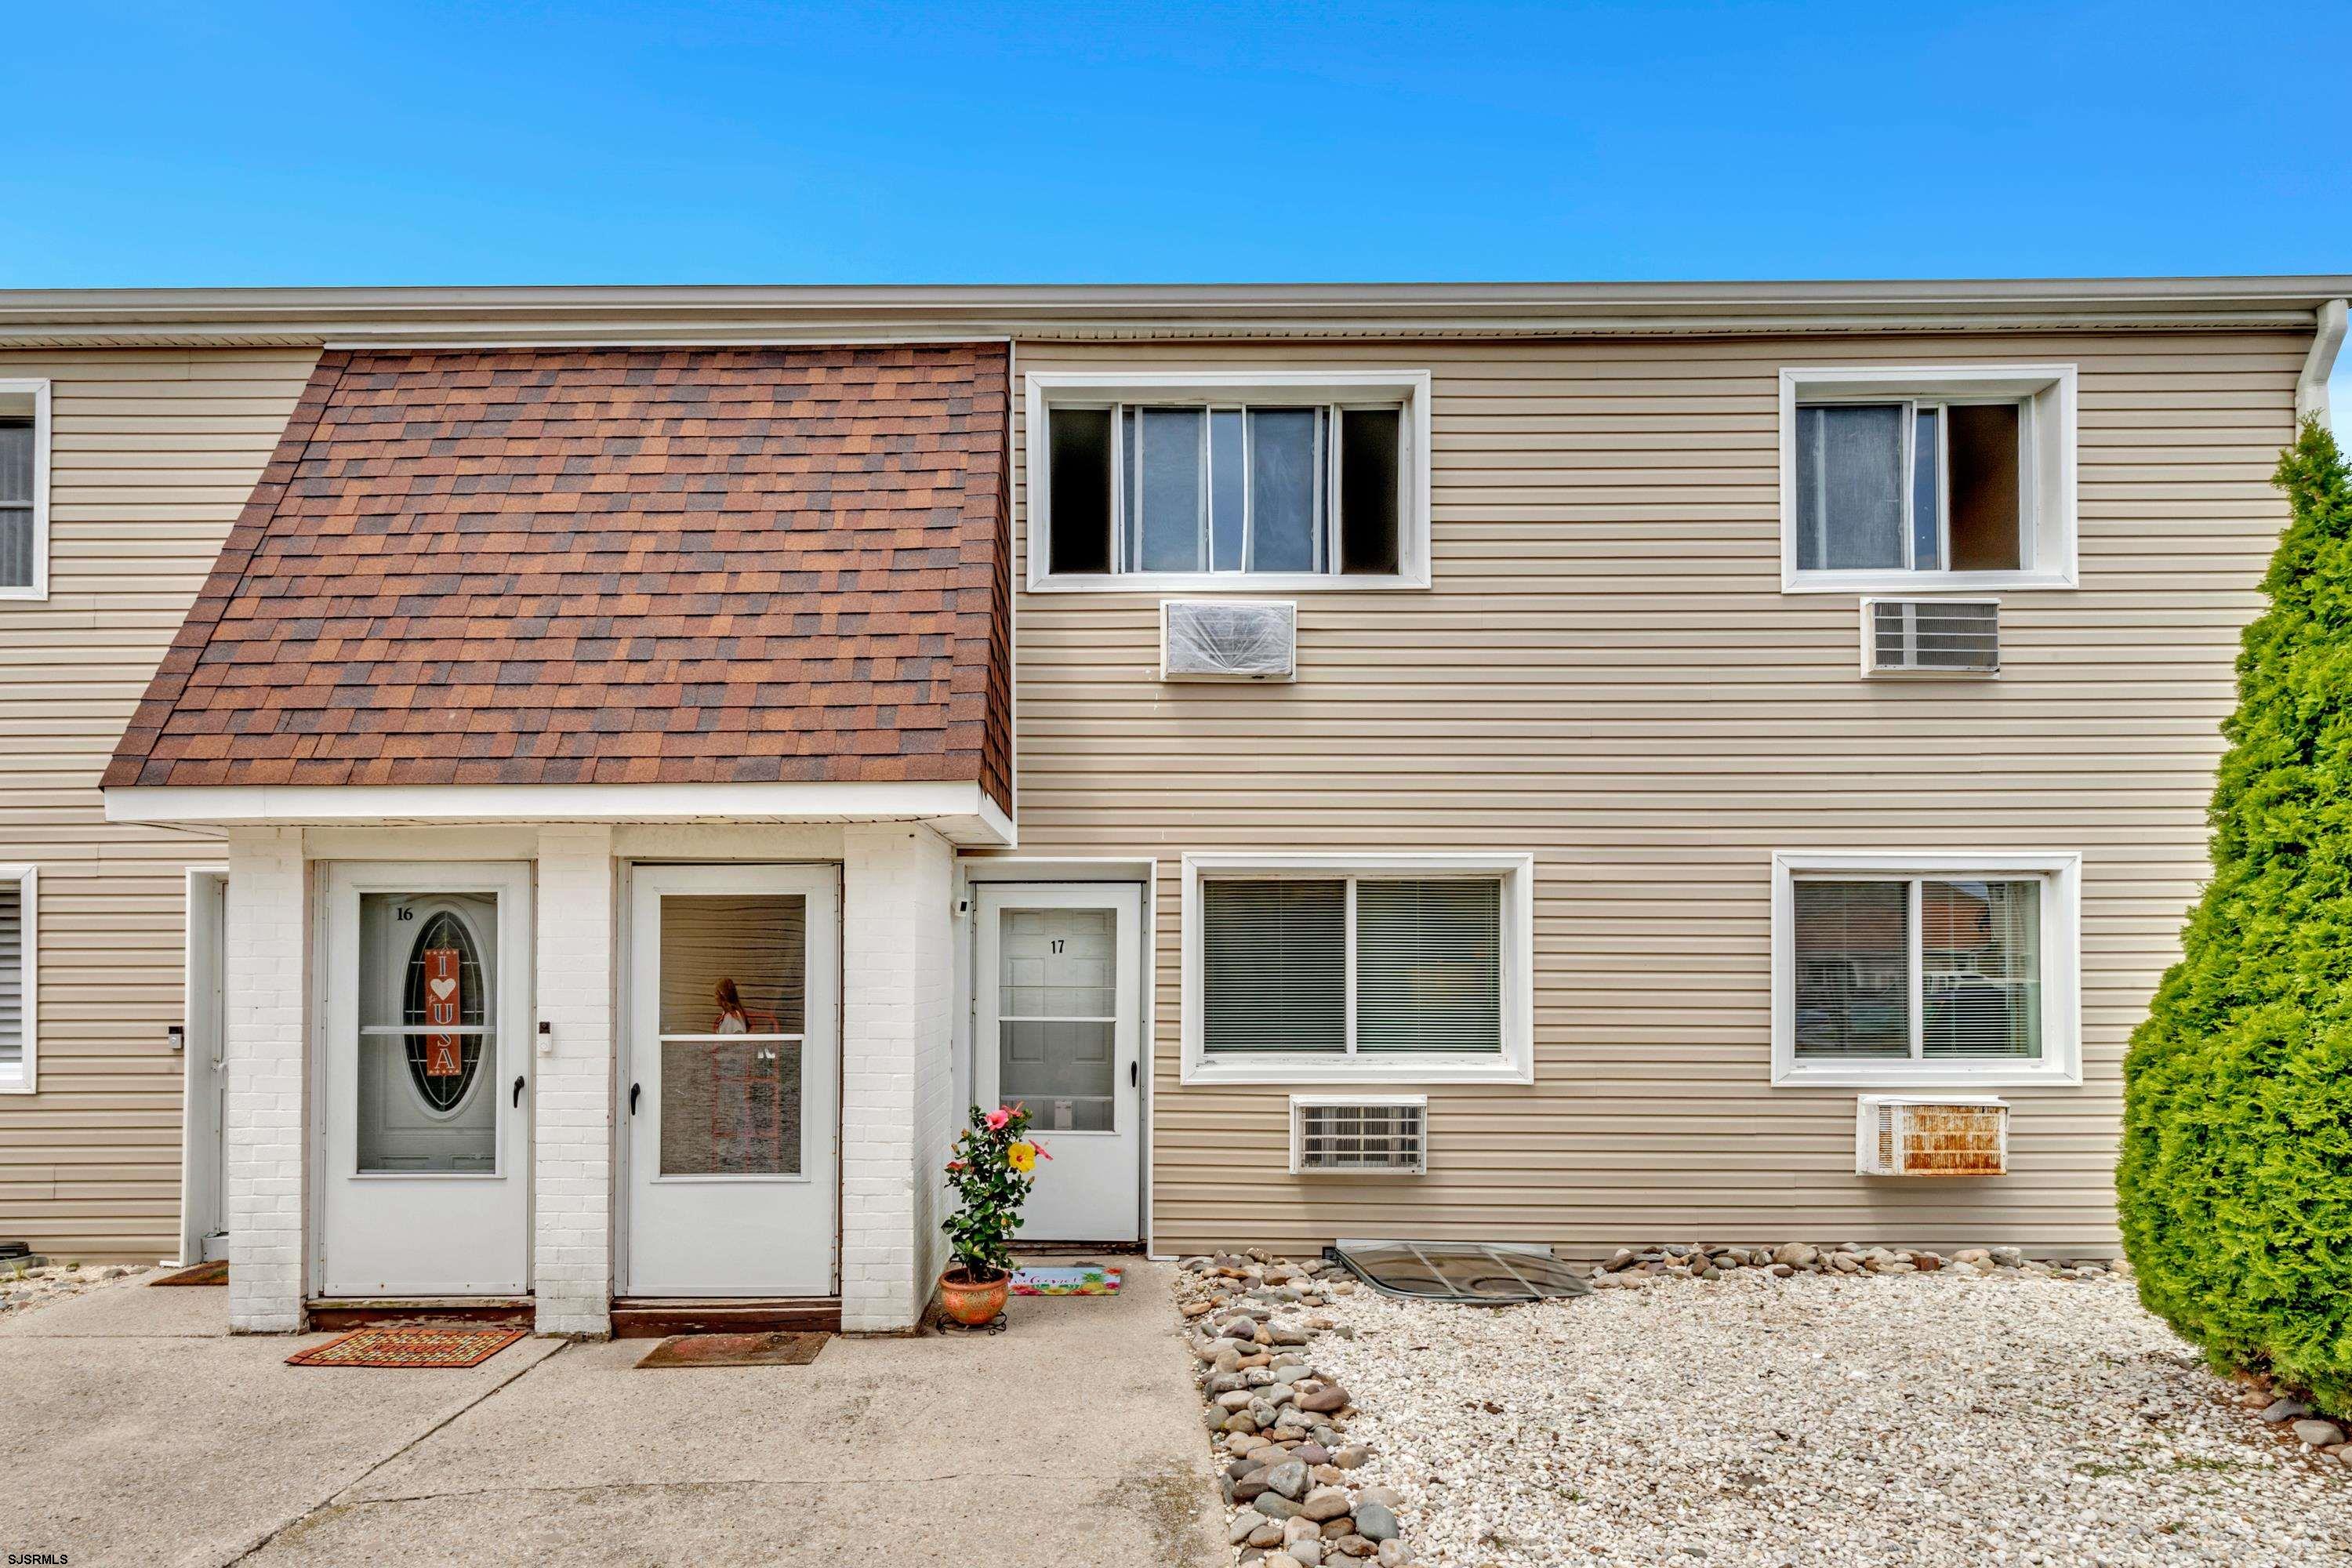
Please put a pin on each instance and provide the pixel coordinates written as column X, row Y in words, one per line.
column 2235, row 1182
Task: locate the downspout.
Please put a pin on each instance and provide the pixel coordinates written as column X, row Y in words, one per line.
column 2310, row 386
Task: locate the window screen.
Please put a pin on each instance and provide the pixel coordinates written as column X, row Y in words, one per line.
column 1273, row 958
column 1429, row 965
column 1849, row 485
column 16, row 503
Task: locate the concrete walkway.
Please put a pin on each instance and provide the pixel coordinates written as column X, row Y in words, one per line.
column 133, row 1428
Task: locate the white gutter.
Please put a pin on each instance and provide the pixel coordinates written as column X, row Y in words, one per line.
column 2310, row 386
column 312, row 317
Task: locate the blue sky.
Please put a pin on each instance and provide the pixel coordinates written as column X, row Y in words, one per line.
column 709, row 142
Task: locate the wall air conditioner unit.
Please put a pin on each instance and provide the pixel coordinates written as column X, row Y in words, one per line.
column 1947, row 1135
column 1930, row 637
column 1228, row 639
column 1358, row 1134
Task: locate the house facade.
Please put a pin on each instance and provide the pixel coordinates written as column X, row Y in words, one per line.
column 563, row 798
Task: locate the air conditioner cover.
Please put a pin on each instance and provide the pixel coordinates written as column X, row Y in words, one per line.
column 1228, row 639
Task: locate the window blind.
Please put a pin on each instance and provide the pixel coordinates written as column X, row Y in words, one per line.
column 1273, row 958
column 12, row 972
column 1429, row 965
column 1853, row 969
column 1961, row 958
column 15, row 503
column 1981, row 969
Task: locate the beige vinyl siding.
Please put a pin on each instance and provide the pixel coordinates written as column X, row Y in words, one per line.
column 1606, row 674
column 153, row 454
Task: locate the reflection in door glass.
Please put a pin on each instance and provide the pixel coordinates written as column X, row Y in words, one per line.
column 1056, row 1017
column 427, row 1044
column 734, row 994
column 733, row 964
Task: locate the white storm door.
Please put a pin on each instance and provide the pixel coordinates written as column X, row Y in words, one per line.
column 1059, row 1028
column 423, row 1080
column 204, row 1116
column 732, row 1096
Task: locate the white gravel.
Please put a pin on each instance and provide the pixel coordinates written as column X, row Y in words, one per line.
column 1915, row 1420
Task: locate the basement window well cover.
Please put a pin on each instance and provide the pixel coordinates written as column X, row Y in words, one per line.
column 1469, row 1273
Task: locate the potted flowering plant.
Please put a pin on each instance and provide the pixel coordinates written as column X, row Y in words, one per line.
column 995, row 1165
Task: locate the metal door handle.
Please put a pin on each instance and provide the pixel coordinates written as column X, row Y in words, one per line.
column 518, row 1091
column 1134, row 1074
column 633, row 1100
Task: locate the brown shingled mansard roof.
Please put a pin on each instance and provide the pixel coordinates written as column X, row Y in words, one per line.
column 659, row 565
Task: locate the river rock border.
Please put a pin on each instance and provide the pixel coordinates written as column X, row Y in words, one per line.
column 1697, row 1260
column 1279, row 1427
column 27, row 1282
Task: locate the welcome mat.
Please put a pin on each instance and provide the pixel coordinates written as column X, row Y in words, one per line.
column 1081, row 1280
column 409, row 1347
column 780, row 1349
column 213, row 1273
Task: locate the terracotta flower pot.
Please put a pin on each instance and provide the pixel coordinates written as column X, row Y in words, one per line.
column 972, row 1303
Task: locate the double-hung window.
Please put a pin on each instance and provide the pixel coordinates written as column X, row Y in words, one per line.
column 24, row 490
column 18, row 1034
column 1318, row 968
column 1908, row 481
column 1924, row 969
column 1258, row 480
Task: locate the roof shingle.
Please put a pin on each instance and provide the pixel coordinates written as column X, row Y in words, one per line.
column 609, row 566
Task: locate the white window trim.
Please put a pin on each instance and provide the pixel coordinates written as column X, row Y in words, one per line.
column 1514, row 1064
column 2049, row 393
column 14, row 397
column 22, row 1077
column 1409, row 387
column 2061, row 1064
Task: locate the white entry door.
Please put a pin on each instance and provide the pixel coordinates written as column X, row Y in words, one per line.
column 1059, row 1029
column 423, row 1082
column 732, row 1088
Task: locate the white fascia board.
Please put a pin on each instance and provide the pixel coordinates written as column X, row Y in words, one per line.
column 618, row 315
column 962, row 812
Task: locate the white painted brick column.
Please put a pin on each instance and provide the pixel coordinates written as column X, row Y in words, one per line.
column 572, row 1106
column 897, row 983
column 267, row 1152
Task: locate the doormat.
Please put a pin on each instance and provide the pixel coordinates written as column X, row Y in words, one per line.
column 213, row 1273
column 1083, row 1279
column 409, row 1347
column 779, row 1349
